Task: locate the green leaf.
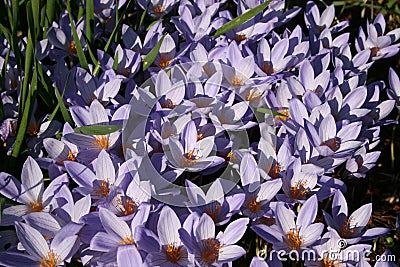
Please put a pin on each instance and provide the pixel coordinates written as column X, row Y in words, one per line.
column 151, row 56
column 26, row 114
column 50, row 11
column 271, row 112
column 78, row 45
column 36, row 18
column 111, row 38
column 98, row 129
column 61, row 105
column 115, row 64
column 27, row 72
column 89, row 20
column 241, row 19
column 88, row 45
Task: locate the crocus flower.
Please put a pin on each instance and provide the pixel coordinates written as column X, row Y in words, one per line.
column 352, row 228
column 172, row 251
column 30, row 193
column 220, row 208
column 332, row 251
column 117, row 234
column 211, row 250
column 39, row 251
column 189, row 154
column 258, row 195
column 290, row 234
column 60, row 35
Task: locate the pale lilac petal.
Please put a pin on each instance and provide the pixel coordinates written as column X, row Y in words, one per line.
column 33, row 242
column 205, row 228
column 114, row 226
column 129, row 256
column 167, row 227
column 230, row 253
column 103, row 242
column 32, row 178
column 234, row 231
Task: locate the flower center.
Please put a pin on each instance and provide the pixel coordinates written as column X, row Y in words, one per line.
column 253, row 94
column 210, row 250
column 240, row 37
column 253, row 205
column 274, row 171
column 125, row 72
column 33, row 129
column 36, row 206
column 213, row 211
column 299, row 190
column 168, row 104
column 102, row 141
column 159, row 8
column 72, row 48
column 237, row 81
column 293, row 239
column 52, row 260
column 330, row 263
column 164, row 60
column 267, row 68
column 284, row 114
column 127, row 241
column 103, row 189
column 333, row 144
column 375, row 51
column 347, row 230
column 174, row 253
column 126, row 207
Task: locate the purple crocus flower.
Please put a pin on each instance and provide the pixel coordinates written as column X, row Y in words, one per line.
column 98, row 183
column 211, row 250
column 172, row 251
column 380, row 44
column 89, row 146
column 30, row 192
column 60, row 35
column 190, row 154
column 39, row 251
column 117, row 234
column 157, row 8
column 289, row 234
column 318, row 22
column 331, row 251
column 258, row 195
column 220, row 208
column 361, row 162
column 352, row 228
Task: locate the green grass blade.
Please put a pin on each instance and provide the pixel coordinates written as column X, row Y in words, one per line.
column 36, row 18
column 151, row 56
column 111, row 38
column 241, row 19
column 78, row 45
column 98, row 129
column 89, row 21
column 27, row 72
column 50, row 11
column 88, row 45
column 271, row 112
column 115, row 64
column 26, row 114
column 61, row 105
column 46, row 92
